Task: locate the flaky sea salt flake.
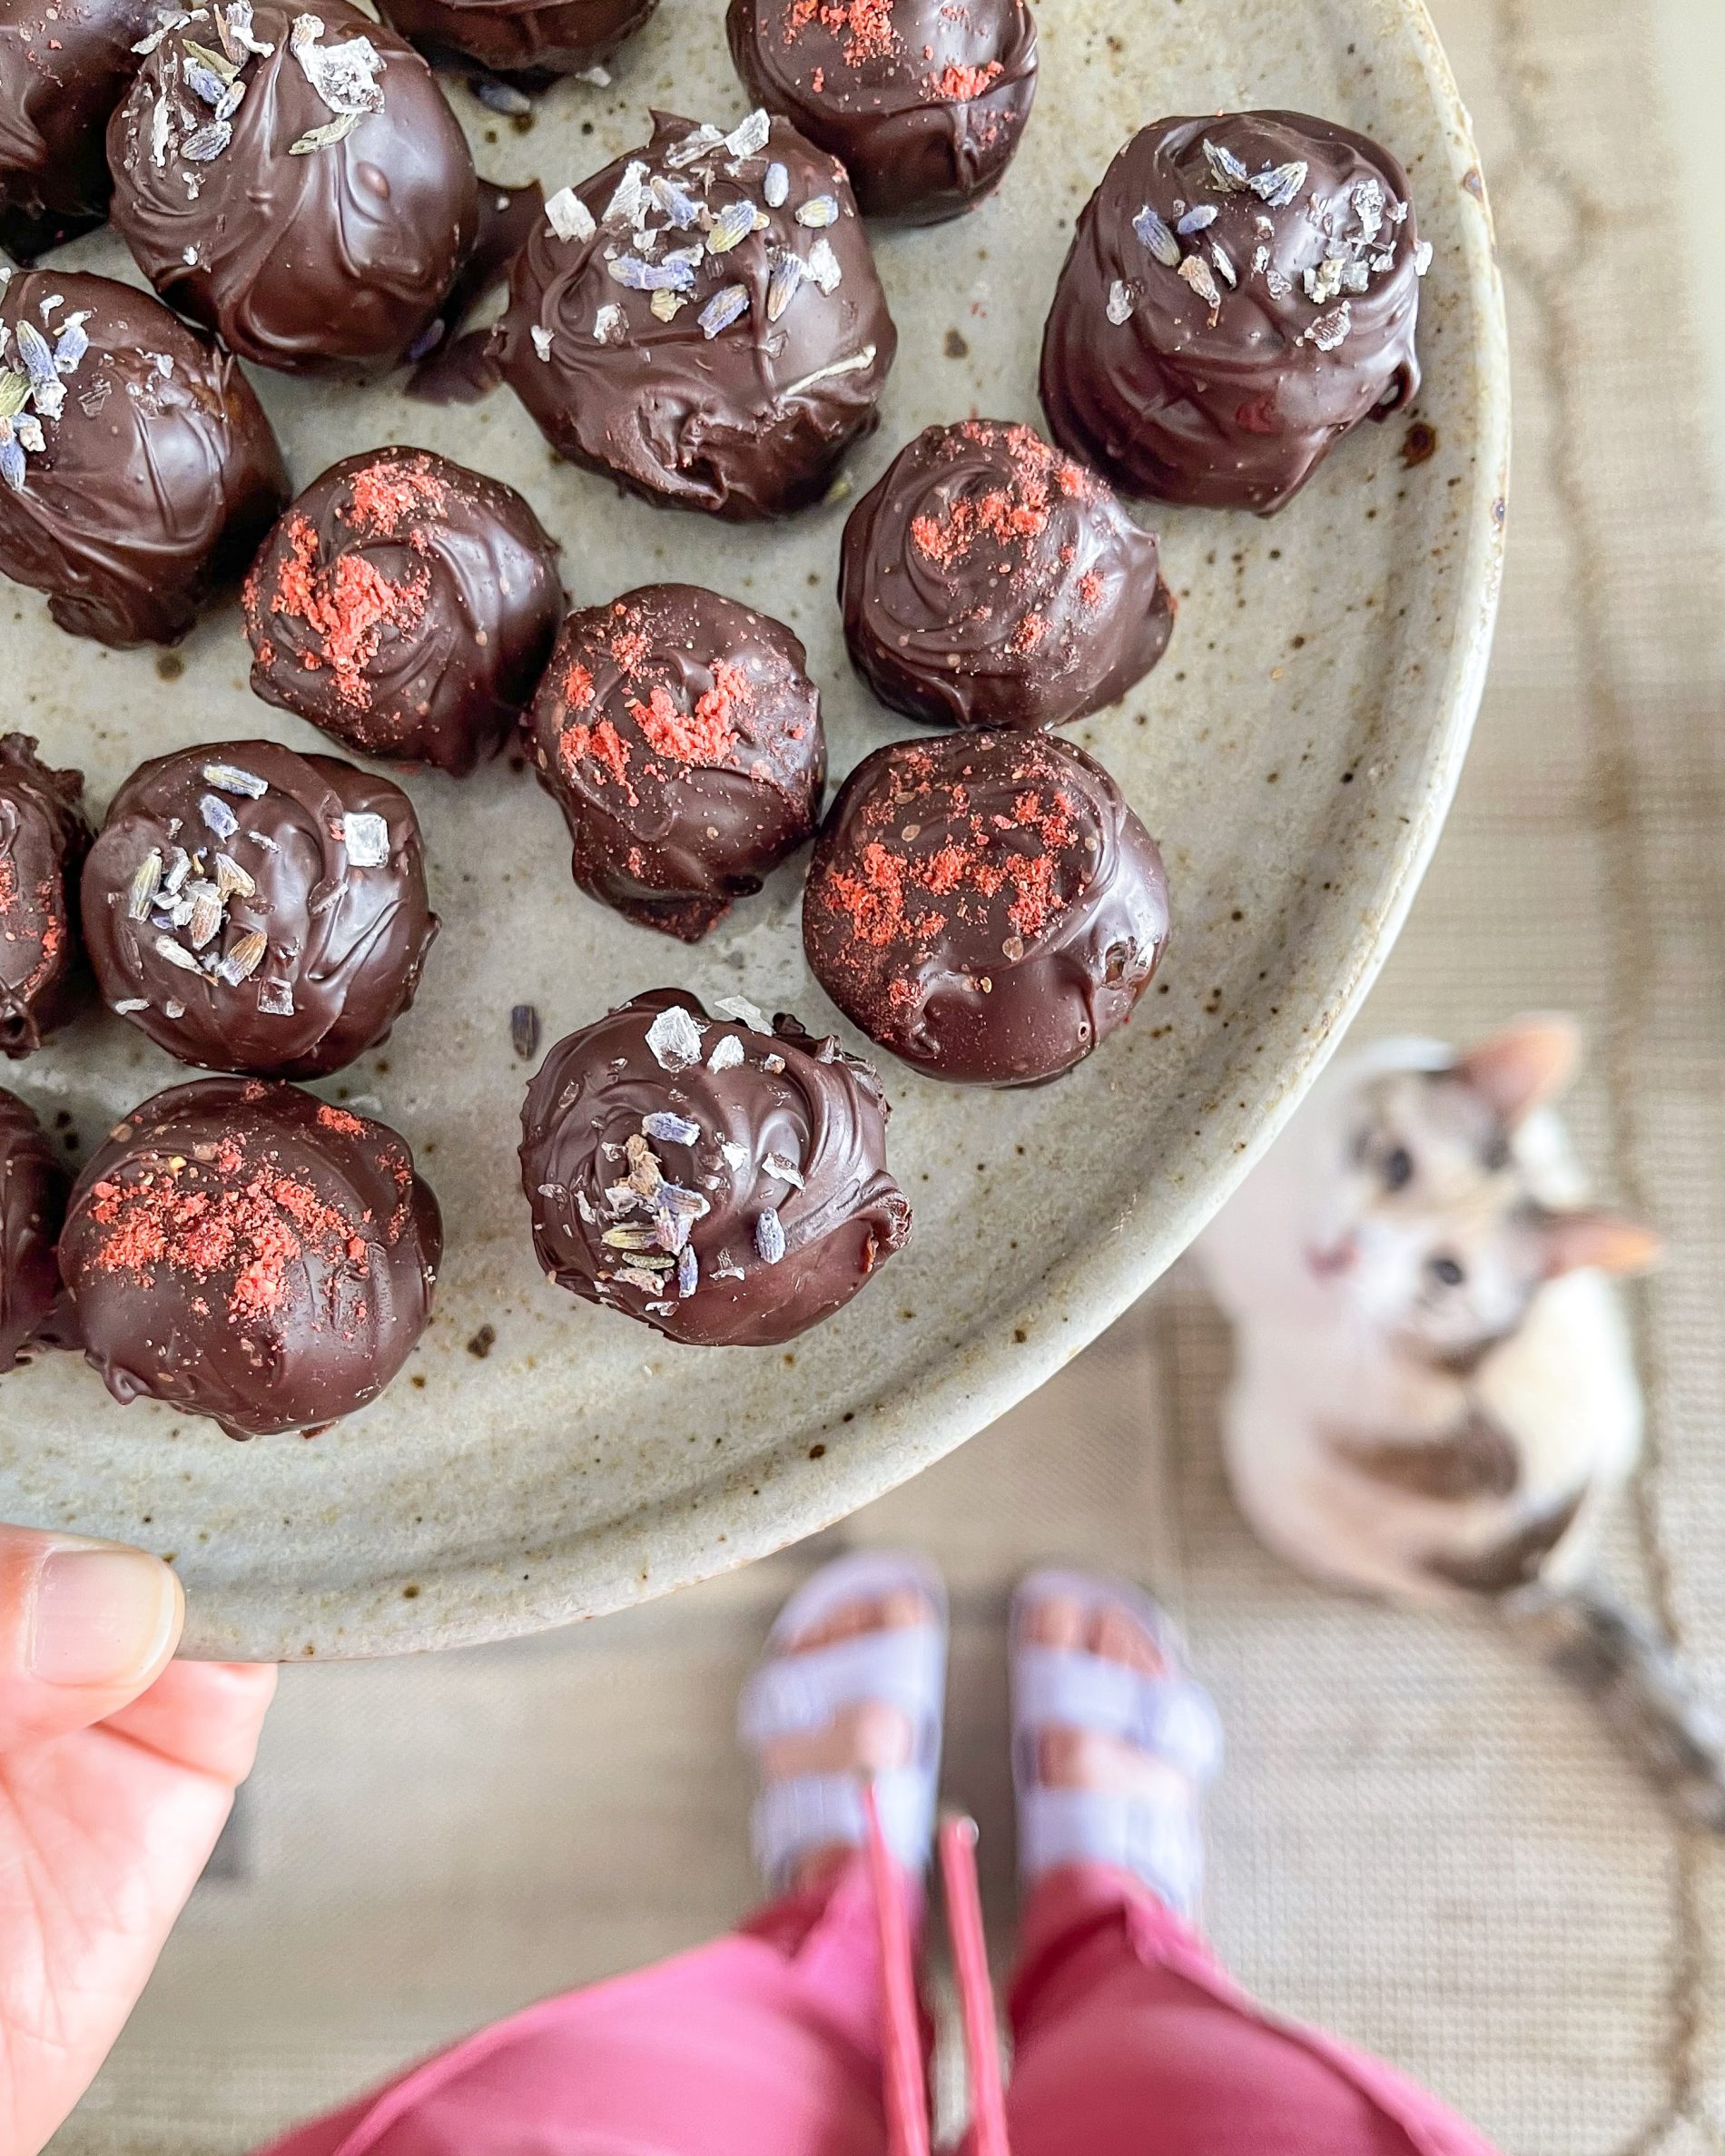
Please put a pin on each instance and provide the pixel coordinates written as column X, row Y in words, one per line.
column 569, row 216
column 749, row 137
column 822, row 266
column 1329, row 331
column 745, row 1012
column 366, row 837
column 675, row 1038
column 705, row 138
column 343, row 75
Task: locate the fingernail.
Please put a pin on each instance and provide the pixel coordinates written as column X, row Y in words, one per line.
column 104, row 1616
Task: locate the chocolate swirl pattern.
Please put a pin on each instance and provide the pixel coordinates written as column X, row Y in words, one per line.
column 137, row 470
column 989, row 581
column 922, row 101
column 986, row 906
column 517, row 38
column 703, row 320
column 723, row 1181
column 681, row 738
column 33, row 1202
column 254, row 910
column 317, row 221
column 246, row 1252
column 64, row 64
column 44, row 837
column 1240, row 292
column 406, row 605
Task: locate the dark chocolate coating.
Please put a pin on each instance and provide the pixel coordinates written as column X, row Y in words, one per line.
column 1224, row 395
column 773, row 1253
column 406, row 605
column 923, row 101
column 987, row 580
column 45, row 835
column 156, row 480
column 517, row 39
column 985, row 905
column 749, row 422
column 32, row 1203
column 292, row 978
column 337, row 257
column 242, row 1251
column 681, row 736
column 64, row 64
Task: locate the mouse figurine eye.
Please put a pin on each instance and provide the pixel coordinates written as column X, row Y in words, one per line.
column 1448, row 1271
column 1397, row 1168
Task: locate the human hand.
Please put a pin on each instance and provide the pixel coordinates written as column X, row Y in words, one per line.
column 117, row 1769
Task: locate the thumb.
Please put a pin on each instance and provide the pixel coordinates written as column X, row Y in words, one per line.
column 84, row 1627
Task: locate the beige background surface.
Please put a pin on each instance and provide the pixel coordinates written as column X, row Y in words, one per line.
column 1420, row 1841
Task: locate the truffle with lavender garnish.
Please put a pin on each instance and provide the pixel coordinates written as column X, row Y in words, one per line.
column 406, row 605
column 681, row 736
column 293, row 181
column 719, row 1177
column 137, row 470
column 923, row 101
column 703, row 320
column 985, row 905
column 247, row 1252
column 1241, row 291
column 255, row 910
column 524, row 40
column 987, row 580
column 64, row 64
column 33, row 1202
column 45, row 835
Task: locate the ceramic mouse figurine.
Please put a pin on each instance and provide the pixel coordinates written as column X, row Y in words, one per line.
column 1434, row 1397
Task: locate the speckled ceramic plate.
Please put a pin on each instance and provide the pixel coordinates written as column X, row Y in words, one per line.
column 540, row 1460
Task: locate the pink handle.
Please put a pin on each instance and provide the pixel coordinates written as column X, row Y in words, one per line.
column 907, row 2100
column 976, row 1995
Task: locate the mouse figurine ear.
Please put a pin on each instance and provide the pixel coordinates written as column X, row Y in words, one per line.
column 1526, row 1064
column 1592, row 1240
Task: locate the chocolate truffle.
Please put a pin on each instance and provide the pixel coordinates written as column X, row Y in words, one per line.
column 295, row 181
column 407, row 605
column 44, row 837
column 64, row 64
column 137, row 470
column 681, row 738
column 524, row 42
column 1240, row 292
column 703, row 320
column 32, row 1201
column 986, row 905
column 989, row 581
column 923, row 101
column 254, row 910
column 244, row 1251
column 722, row 1179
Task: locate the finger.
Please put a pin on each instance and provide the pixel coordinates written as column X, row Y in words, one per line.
column 84, row 1627
column 203, row 1715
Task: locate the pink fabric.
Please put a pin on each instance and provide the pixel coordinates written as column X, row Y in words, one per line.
column 1130, row 2041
